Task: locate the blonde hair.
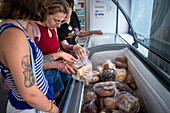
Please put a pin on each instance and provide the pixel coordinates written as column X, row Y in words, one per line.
column 55, row 6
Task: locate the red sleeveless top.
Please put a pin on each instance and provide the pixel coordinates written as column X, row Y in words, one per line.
column 48, row 44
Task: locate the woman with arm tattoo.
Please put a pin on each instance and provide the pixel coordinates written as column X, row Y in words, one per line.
column 25, row 94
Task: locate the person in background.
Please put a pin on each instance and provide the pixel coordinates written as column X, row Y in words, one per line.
column 69, row 30
column 50, row 47
column 28, row 90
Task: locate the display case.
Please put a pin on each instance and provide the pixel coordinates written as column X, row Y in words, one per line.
column 155, row 95
column 147, row 53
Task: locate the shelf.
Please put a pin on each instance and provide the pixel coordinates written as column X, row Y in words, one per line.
column 82, row 26
column 79, row 8
column 80, row 15
column 80, row 2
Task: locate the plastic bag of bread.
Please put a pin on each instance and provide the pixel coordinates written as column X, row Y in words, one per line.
column 104, row 111
column 88, row 77
column 89, row 96
column 121, row 58
column 89, row 108
column 77, row 64
column 121, row 62
column 109, row 103
column 99, row 68
column 123, row 87
column 107, row 75
column 129, row 79
column 126, row 102
column 81, row 70
column 105, row 89
column 120, row 75
column 101, row 103
column 95, row 76
column 142, row 106
column 109, row 65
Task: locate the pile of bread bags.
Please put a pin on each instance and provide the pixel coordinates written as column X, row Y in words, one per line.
column 109, row 87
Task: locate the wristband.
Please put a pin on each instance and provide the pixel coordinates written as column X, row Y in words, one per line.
column 50, row 107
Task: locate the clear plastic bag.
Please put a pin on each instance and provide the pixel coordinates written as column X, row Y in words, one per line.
column 82, row 73
column 126, row 102
column 109, row 65
column 105, row 89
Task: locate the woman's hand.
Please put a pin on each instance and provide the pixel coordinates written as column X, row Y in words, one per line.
column 66, row 56
column 97, row 32
column 80, row 52
column 64, row 67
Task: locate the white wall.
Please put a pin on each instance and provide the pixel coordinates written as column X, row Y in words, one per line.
column 107, row 22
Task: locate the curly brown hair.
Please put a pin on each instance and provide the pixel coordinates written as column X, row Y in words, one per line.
column 23, row 9
column 36, row 10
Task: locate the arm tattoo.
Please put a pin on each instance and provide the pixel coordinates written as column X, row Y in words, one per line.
column 28, row 74
column 48, row 58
